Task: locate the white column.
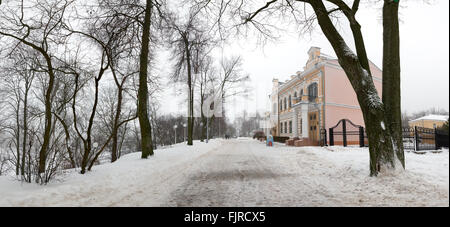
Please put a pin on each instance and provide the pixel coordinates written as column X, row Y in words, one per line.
column 295, row 122
column 305, row 131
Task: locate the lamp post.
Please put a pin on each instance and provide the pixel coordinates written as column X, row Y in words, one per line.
column 184, row 132
column 201, row 126
column 175, row 129
column 207, row 129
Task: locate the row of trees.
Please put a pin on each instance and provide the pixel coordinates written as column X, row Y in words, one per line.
column 77, row 81
column 69, row 75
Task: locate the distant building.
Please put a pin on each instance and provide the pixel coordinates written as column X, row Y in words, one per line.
column 315, row 98
column 429, row 121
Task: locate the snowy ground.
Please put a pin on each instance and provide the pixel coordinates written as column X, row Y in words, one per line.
column 243, row 172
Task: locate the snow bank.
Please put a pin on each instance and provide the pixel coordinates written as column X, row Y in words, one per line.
column 425, row 181
column 106, row 183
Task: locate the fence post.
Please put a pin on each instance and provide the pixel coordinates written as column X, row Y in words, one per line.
column 331, row 137
column 416, row 139
column 344, row 133
column 435, row 139
column 361, row 136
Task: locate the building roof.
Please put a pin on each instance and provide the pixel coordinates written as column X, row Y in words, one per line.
column 432, row 117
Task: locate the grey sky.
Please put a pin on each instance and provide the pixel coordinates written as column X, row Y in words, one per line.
column 424, row 57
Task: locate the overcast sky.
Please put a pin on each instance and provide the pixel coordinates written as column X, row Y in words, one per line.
column 424, row 33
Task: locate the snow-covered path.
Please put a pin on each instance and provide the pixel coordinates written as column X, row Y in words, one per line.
column 246, row 173
column 243, row 172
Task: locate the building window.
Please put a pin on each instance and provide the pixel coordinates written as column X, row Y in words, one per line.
column 281, row 127
column 281, row 105
column 285, row 103
column 290, row 126
column 301, row 94
column 290, row 101
column 312, row 92
column 285, row 127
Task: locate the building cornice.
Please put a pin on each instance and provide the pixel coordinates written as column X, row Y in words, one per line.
column 307, row 72
column 342, row 105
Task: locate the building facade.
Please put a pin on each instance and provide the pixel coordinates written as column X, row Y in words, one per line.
column 315, row 98
column 429, row 121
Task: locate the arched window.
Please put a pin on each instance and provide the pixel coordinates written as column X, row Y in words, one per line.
column 312, row 92
column 301, row 95
column 290, row 101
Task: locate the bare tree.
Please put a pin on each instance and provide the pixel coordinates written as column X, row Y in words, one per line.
column 232, row 81
column 189, row 41
column 205, row 82
column 121, row 49
column 37, row 30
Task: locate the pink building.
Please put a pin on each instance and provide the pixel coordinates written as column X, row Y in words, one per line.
column 315, row 98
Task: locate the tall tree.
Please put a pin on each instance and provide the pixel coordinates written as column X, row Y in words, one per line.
column 146, row 129
column 116, row 34
column 391, row 75
column 207, row 74
column 188, row 40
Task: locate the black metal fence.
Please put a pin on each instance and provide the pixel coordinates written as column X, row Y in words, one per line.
column 441, row 138
column 280, row 139
column 414, row 138
column 409, row 138
column 346, row 133
column 425, row 138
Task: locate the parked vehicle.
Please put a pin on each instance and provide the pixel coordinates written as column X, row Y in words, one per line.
column 259, row 135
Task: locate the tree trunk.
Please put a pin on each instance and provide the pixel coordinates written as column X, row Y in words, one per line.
column 18, row 135
column 88, row 141
column 115, row 138
column 25, row 128
column 146, row 130
column 48, row 117
column 391, row 76
column 191, row 94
